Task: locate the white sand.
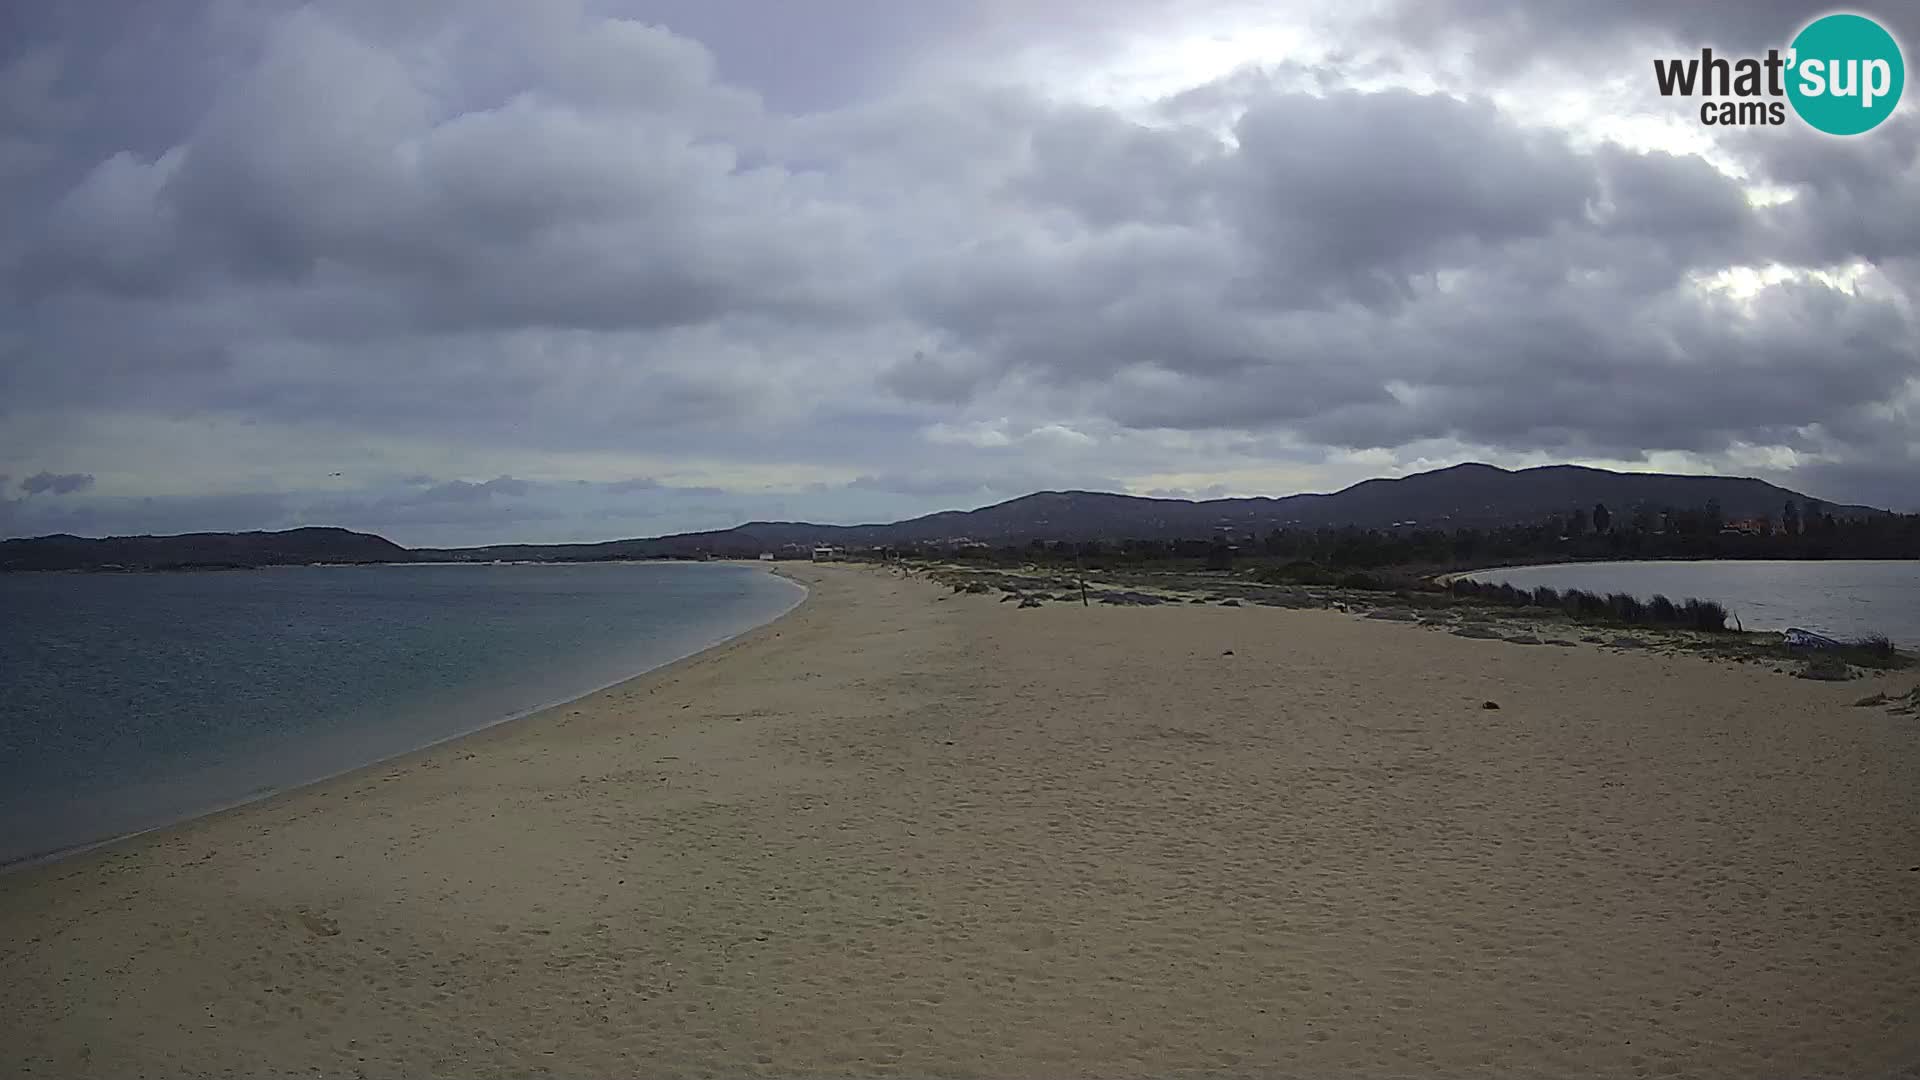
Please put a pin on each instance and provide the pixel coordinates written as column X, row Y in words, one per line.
column 906, row 833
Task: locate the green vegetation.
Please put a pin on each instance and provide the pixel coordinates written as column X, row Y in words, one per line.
column 1620, row 608
column 1395, row 571
column 1493, row 612
column 1596, row 533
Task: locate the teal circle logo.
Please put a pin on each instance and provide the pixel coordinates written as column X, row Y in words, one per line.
column 1847, row 74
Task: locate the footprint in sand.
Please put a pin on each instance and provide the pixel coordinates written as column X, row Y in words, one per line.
column 319, row 925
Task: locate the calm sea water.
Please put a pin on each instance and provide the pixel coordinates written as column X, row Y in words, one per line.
column 1840, row 598
column 133, row 700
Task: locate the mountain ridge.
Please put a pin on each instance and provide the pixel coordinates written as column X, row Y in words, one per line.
column 1471, row 494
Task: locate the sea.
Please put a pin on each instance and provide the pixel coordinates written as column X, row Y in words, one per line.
column 133, row 700
column 1841, row 598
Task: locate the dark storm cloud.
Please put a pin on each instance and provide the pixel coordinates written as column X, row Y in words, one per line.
column 1861, row 196
column 30, row 113
column 1694, row 213
column 1522, row 293
column 56, row 483
column 1109, row 170
column 1322, row 189
column 695, row 235
column 1888, row 484
column 783, row 50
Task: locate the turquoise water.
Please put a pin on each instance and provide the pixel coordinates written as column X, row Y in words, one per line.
column 1840, row 598
column 133, row 700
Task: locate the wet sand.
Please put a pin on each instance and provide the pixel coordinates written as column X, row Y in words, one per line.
column 902, row 832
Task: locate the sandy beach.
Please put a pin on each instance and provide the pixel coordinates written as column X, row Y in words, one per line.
column 902, row 832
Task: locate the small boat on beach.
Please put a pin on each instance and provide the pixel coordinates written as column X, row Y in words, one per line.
column 1797, row 638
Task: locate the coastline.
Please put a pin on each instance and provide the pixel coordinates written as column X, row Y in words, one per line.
column 1535, row 564
column 1767, row 596
column 52, row 856
column 900, row 831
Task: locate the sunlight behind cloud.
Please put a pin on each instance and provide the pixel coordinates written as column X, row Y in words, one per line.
column 1211, row 44
column 1746, row 283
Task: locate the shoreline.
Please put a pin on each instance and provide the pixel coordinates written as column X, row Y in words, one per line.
column 1794, row 610
column 268, row 793
column 901, row 831
column 1444, row 578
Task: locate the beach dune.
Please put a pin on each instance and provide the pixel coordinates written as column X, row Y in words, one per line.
column 905, row 832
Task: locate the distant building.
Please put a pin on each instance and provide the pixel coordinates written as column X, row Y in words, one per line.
column 766, row 556
column 824, row 553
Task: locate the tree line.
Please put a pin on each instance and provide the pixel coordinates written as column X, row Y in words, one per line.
column 1585, row 533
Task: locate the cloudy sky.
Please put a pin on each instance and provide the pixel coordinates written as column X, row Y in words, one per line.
column 466, row 271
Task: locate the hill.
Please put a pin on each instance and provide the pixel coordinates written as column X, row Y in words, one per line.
column 198, row 550
column 1461, row 496
column 1470, row 495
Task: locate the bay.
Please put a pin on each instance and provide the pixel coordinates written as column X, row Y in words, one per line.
column 1839, row 598
column 129, row 701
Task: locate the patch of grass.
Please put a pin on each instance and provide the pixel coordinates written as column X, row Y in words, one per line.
column 1826, row 668
column 1297, row 572
column 1432, row 601
column 1875, row 651
column 1871, row 654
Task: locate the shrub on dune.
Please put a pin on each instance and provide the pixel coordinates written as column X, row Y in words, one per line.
column 1661, row 610
column 1703, row 615
column 1626, row 608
